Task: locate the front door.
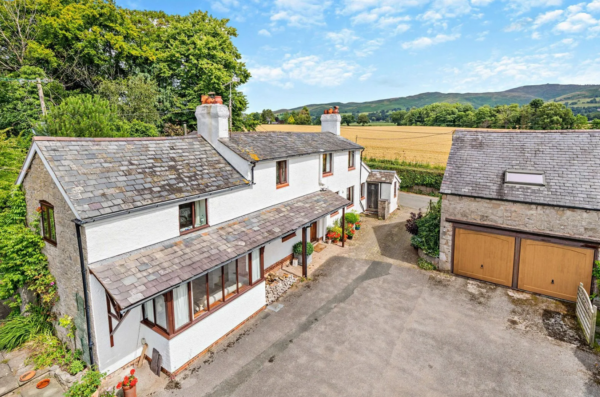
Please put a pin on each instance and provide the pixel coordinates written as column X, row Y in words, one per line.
column 372, row 196
column 313, row 232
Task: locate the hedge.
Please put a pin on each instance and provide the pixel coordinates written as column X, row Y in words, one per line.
column 409, row 175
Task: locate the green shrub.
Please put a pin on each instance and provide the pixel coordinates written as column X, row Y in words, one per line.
column 89, row 383
column 411, row 174
column 17, row 330
column 352, row 217
column 298, row 248
column 47, row 350
column 428, row 235
column 138, row 129
column 425, row 264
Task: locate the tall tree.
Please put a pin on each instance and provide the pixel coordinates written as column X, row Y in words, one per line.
column 398, row 116
column 348, row 119
column 362, row 119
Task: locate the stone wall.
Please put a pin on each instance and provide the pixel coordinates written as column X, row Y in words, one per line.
column 383, row 209
column 63, row 259
column 527, row 217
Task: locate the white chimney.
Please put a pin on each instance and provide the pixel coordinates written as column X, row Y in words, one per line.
column 331, row 123
column 213, row 122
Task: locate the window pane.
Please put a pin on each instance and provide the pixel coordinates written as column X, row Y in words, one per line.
column 215, row 287
column 324, row 163
column 52, row 233
column 281, row 172
column 199, row 295
column 230, row 280
column 149, row 311
column 200, row 213
column 185, row 217
column 161, row 311
column 255, row 266
column 181, row 305
column 243, row 271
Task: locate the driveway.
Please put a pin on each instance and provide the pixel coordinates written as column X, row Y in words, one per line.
column 371, row 324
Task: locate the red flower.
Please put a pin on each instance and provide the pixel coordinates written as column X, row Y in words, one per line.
column 134, row 382
column 119, row 385
column 126, row 380
column 132, row 371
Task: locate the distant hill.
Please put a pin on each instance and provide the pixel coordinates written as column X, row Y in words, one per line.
column 520, row 95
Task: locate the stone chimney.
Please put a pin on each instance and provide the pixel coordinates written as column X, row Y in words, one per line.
column 213, row 122
column 331, row 123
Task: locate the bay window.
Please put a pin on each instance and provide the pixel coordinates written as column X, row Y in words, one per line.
column 327, row 164
column 193, row 216
column 170, row 313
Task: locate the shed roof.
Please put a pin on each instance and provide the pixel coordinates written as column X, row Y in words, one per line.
column 133, row 277
column 570, row 161
column 259, row 146
column 102, row 176
column 384, row 176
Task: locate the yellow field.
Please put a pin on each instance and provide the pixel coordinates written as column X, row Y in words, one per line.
column 422, row 144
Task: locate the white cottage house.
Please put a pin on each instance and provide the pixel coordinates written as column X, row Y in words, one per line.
column 167, row 240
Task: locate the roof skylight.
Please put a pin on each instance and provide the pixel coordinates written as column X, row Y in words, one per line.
column 522, row 177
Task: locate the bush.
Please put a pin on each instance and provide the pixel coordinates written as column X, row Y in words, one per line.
column 425, row 264
column 411, row 223
column 47, row 350
column 89, row 383
column 428, row 235
column 138, row 129
column 352, row 217
column 17, row 330
column 298, row 248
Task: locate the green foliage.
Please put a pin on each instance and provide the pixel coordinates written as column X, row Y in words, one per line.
column 291, row 120
column 428, row 235
column 139, row 129
column 596, row 123
column 398, row 116
column 82, row 116
column 352, row 217
column 135, row 98
column 410, row 174
column 12, row 154
column 19, row 329
column 348, row 119
column 47, row 350
column 251, row 121
column 67, row 323
column 267, row 116
column 89, row 383
column 363, row 119
column 303, row 117
column 22, row 262
column 425, row 264
column 297, row 249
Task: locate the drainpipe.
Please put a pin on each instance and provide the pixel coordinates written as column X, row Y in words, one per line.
column 85, row 293
column 252, row 171
column 360, row 182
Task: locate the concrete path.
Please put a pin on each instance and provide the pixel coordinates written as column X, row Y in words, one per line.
column 415, row 201
column 371, row 324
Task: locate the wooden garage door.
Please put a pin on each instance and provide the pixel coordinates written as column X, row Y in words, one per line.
column 484, row 256
column 553, row 269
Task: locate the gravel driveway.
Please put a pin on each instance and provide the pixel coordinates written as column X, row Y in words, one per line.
column 372, row 324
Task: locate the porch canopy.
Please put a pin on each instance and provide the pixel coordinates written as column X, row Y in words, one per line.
column 133, row 278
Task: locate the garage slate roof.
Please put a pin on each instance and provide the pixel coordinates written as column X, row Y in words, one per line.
column 570, row 161
column 381, row 176
column 107, row 175
column 131, row 278
column 258, row 146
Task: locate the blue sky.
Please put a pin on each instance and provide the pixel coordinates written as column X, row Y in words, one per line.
column 315, row 51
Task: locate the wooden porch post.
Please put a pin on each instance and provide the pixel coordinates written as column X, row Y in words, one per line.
column 304, row 264
column 343, row 226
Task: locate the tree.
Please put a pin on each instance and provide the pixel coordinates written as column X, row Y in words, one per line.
column 596, row 123
column 135, row 97
column 291, row 120
column 347, row 119
column 303, row 117
column 362, row 119
column 581, row 122
column 83, row 116
column 267, row 116
column 398, row 116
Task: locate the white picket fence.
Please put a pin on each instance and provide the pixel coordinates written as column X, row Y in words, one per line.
column 586, row 313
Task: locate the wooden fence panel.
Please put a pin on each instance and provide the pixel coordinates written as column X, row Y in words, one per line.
column 586, row 313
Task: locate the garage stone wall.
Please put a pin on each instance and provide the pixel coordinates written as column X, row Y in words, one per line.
column 63, row 259
column 526, row 217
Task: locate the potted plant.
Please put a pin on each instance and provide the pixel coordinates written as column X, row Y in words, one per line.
column 352, row 218
column 357, row 226
column 334, row 236
column 349, row 233
column 128, row 385
column 297, row 249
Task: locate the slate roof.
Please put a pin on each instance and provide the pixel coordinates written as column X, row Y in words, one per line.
column 381, row 176
column 104, row 176
column 258, row 146
column 570, row 161
column 135, row 276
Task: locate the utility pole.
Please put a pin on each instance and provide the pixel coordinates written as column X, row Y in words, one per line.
column 41, row 95
column 234, row 79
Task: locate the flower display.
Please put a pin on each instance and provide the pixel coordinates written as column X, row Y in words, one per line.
column 129, row 381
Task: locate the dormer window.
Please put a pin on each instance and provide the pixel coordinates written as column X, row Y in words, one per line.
column 193, row 216
column 522, row 177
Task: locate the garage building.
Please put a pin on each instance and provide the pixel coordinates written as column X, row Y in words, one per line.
column 522, row 209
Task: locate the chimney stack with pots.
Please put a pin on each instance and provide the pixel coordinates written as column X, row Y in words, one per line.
column 212, row 117
column 331, row 121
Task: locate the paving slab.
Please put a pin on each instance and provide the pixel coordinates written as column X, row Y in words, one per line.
column 16, row 359
column 8, row 383
column 52, row 390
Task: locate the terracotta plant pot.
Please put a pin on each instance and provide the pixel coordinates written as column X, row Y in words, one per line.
column 27, row 376
column 129, row 391
column 43, row 383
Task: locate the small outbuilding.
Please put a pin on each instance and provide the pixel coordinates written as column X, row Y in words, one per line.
column 522, row 209
column 382, row 192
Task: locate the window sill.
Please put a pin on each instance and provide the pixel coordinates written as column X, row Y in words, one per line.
column 334, row 214
column 49, row 241
column 282, row 185
column 193, row 230
column 327, row 174
column 351, row 168
column 362, row 198
column 202, row 316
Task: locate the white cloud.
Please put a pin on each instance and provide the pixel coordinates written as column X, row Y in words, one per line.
column 310, row 70
column 341, row 39
column 519, row 25
column 224, row 5
column 264, row 32
column 577, row 23
column 365, row 76
column 536, row 35
column 299, row 13
column 482, row 36
column 353, row 6
column 594, row 6
column 368, row 48
column 521, row 6
column 424, row 42
column 481, row 3
column 547, row 17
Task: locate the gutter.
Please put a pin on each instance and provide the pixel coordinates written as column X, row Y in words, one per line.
column 85, row 295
